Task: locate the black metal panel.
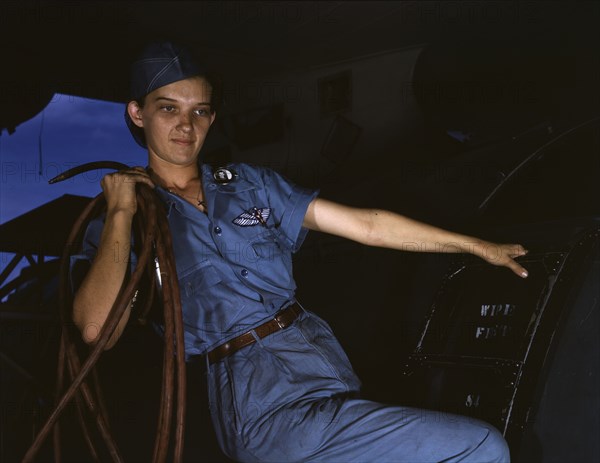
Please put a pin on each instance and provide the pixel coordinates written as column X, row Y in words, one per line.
column 486, row 311
column 490, row 336
column 476, row 387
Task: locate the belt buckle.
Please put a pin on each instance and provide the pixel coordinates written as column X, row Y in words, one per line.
column 279, row 322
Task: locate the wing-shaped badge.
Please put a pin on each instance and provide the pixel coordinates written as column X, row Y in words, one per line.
column 252, row 217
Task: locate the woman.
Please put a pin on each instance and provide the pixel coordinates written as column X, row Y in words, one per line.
column 280, row 386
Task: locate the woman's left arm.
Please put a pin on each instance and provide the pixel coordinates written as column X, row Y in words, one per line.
column 376, row 227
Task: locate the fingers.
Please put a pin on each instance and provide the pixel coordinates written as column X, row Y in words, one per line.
column 516, row 250
column 517, row 268
column 505, row 255
column 513, row 251
column 119, row 188
column 133, row 175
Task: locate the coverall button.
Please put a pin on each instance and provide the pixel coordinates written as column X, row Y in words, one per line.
column 218, row 230
column 244, row 272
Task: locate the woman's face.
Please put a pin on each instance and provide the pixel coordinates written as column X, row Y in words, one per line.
column 175, row 119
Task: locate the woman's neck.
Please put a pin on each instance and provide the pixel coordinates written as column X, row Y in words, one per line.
column 180, row 177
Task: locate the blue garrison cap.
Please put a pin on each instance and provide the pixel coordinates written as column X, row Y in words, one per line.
column 159, row 64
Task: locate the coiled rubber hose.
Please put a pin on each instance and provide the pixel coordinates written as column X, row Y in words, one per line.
column 155, row 256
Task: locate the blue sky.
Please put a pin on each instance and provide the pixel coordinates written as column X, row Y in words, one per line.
column 74, row 131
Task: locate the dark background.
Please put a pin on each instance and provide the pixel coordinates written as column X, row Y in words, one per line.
column 441, row 101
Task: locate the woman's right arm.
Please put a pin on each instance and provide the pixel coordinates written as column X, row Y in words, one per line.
column 99, row 289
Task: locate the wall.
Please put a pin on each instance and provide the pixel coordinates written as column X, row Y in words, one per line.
column 382, row 105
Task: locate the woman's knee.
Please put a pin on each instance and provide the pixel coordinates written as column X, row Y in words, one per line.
column 493, row 448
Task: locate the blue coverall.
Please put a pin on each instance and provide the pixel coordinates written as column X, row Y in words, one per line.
column 292, row 396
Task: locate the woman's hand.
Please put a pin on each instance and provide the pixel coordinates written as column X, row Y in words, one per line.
column 119, row 189
column 503, row 255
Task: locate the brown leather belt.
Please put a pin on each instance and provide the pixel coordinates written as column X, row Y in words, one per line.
column 280, row 321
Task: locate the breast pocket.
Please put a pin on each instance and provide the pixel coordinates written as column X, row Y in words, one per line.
column 266, row 246
column 196, row 282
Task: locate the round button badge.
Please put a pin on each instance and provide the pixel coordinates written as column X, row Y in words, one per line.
column 223, row 176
